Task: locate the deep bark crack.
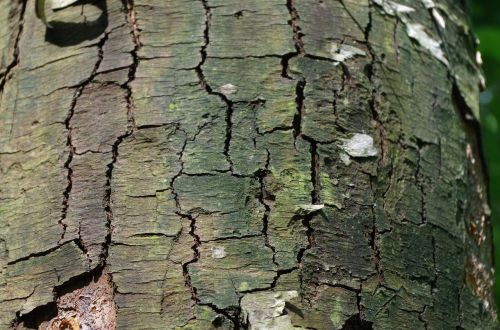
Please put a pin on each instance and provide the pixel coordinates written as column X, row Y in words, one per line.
column 15, row 61
column 69, row 142
column 297, row 39
column 204, row 84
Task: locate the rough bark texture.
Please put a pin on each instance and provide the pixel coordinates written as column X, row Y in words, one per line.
column 262, row 164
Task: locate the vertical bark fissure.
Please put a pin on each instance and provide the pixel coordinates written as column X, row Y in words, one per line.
column 204, row 84
column 69, row 141
column 299, row 100
column 262, row 199
column 297, row 35
column 196, row 255
column 419, row 180
column 297, row 39
column 129, row 6
column 382, row 140
column 15, row 61
column 315, row 193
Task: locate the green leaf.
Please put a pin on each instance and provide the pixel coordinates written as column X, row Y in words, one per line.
column 40, row 12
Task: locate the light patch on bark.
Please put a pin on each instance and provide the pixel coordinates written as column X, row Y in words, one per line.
column 340, row 53
column 345, row 159
column 393, row 8
column 309, row 208
column 359, row 145
column 60, row 4
column 228, row 89
column 416, row 31
column 264, row 310
column 218, row 252
column 479, row 58
column 439, row 19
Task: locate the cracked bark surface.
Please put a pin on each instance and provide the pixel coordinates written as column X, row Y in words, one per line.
column 230, row 164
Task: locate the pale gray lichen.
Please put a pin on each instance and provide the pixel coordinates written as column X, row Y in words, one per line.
column 340, row 53
column 308, row 208
column 359, row 145
column 393, row 8
column 218, row 252
column 228, row 89
column 439, row 19
column 264, row 310
column 428, row 4
column 60, row 4
column 417, row 32
column 345, row 159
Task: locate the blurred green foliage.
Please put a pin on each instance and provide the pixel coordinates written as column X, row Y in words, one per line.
column 486, row 21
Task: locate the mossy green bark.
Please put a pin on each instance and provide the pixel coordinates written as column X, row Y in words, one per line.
column 245, row 164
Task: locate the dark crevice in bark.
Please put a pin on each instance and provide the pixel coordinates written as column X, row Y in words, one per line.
column 297, row 35
column 273, row 284
column 373, row 240
column 306, row 222
column 265, row 198
column 420, row 181
column 228, row 238
column 275, row 129
column 315, row 180
column 356, row 323
column 196, row 255
column 192, row 226
column 129, row 101
column 107, row 196
column 69, row 142
column 204, row 84
column 5, row 76
column 297, row 39
column 434, row 280
column 299, row 100
column 42, row 253
column 382, row 146
column 421, row 317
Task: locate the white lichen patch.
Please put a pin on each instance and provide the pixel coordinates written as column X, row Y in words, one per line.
column 417, row 32
column 428, row 4
column 228, row 89
column 218, row 252
column 345, row 159
column 340, row 53
column 479, row 58
column 59, row 4
column 309, row 208
column 439, row 19
column 394, row 8
column 264, row 310
column 359, row 145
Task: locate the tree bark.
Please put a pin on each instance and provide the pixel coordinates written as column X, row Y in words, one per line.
column 236, row 164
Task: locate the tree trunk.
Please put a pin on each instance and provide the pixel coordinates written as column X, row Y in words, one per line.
column 262, row 164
